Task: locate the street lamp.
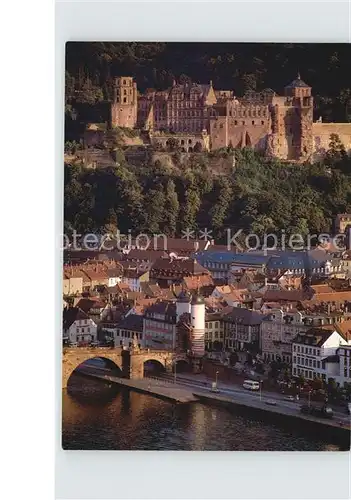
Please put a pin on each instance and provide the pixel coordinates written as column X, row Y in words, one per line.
column 216, row 377
column 309, row 398
column 175, row 371
column 261, row 390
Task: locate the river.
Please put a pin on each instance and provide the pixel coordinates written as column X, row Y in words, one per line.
column 99, row 417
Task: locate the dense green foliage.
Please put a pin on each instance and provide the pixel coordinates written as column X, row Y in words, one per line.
column 255, row 195
column 91, row 67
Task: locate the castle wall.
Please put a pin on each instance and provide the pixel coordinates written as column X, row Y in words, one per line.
column 240, row 130
column 219, row 132
column 185, row 140
column 321, row 136
column 254, row 134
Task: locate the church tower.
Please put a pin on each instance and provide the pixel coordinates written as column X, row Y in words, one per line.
column 124, row 107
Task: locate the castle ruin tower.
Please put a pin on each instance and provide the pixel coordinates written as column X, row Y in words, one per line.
column 124, row 107
column 300, row 120
column 197, row 314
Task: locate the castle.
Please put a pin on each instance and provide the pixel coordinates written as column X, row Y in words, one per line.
column 201, row 117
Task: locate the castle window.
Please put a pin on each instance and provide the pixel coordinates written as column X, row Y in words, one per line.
column 262, row 122
column 189, row 141
column 125, row 92
column 117, row 99
column 243, row 123
column 235, row 122
column 230, row 112
column 124, row 82
column 124, row 99
column 253, row 122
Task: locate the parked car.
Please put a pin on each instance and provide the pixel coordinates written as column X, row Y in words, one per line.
column 270, row 402
column 322, row 411
column 305, row 409
column 73, row 344
column 289, row 398
column 94, row 344
column 318, row 411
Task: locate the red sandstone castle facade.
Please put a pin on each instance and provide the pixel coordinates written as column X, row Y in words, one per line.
column 281, row 126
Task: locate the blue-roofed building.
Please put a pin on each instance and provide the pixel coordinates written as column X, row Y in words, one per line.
column 312, row 262
column 222, row 263
column 218, row 263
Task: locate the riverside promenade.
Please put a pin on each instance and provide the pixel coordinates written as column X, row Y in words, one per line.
column 153, row 387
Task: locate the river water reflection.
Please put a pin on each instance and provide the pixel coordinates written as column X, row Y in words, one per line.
column 99, row 417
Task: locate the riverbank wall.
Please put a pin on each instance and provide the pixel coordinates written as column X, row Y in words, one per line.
column 329, row 428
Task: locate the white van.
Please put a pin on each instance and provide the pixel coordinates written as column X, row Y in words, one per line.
column 252, row 385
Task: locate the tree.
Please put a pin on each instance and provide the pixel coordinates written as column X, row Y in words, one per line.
column 171, row 209
column 332, row 387
column 317, row 384
column 198, row 147
column 233, row 358
column 155, row 201
column 222, row 199
column 301, row 381
column 336, row 152
column 347, row 389
column 111, row 224
column 190, row 209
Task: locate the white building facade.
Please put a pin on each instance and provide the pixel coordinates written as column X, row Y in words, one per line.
column 315, row 354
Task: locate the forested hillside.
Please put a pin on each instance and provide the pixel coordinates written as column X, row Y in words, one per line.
column 257, row 196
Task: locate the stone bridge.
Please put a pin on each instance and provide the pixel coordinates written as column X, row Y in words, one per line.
column 130, row 362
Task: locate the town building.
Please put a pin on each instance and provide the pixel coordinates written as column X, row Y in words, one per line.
column 242, row 329
column 279, row 125
column 72, row 281
column 78, row 327
column 159, row 326
column 134, row 277
column 315, row 354
column 278, row 329
column 131, row 327
column 344, row 375
column 172, row 271
column 217, row 263
column 114, row 275
column 214, row 332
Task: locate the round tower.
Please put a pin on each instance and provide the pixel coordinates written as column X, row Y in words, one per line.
column 198, row 325
column 182, row 304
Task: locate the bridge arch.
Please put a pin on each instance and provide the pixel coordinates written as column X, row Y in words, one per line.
column 182, row 365
column 153, row 366
column 73, row 358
